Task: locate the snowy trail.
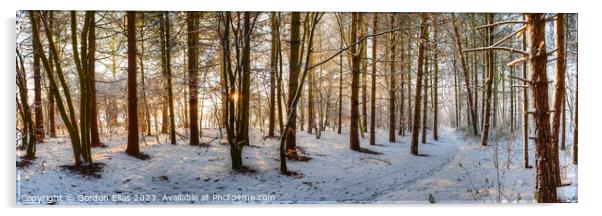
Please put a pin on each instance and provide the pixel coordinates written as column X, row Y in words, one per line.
column 335, row 174
column 393, row 181
column 472, row 177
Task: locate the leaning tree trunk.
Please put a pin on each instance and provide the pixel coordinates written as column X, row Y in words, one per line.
column 471, row 107
column 28, row 126
column 545, row 187
column 419, row 74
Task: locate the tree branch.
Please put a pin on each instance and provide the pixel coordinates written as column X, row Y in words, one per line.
column 503, row 22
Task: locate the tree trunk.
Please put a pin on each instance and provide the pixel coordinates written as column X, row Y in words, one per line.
column 559, row 86
column 525, row 111
column 426, row 94
column 471, row 111
column 94, row 135
column 28, row 134
column 51, row 109
column 37, row 97
column 575, row 134
column 435, row 87
column 419, row 74
column 392, row 87
column 545, row 187
column 166, row 62
column 310, row 100
column 488, row 84
column 192, row 26
column 364, row 49
column 294, row 68
column 373, row 83
column 132, row 145
column 244, row 93
column 273, row 73
column 354, row 140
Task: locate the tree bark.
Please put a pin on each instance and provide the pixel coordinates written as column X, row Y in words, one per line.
column 525, row 111
column 373, row 83
column 37, row 96
column 419, row 74
column 192, row 26
column 273, row 73
column 354, row 140
column 545, row 187
column 435, row 87
column 132, row 145
column 294, row 68
column 471, row 111
column 91, row 56
column 392, row 84
column 488, row 85
column 559, row 86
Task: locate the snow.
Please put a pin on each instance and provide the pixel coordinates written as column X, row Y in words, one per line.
column 335, row 174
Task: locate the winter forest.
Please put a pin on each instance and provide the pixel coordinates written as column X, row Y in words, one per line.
column 152, row 107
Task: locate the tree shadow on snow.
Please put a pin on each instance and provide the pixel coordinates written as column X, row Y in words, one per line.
column 91, row 170
column 368, row 151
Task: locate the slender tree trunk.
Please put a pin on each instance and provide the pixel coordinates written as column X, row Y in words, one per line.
column 94, row 135
column 279, row 87
column 373, row 84
column 457, row 96
column 392, row 86
column 28, row 134
column 51, row 108
column 426, row 94
column 559, row 86
column 575, row 134
column 37, row 97
column 192, row 26
column 166, row 62
column 488, row 85
column 525, row 111
column 419, row 74
column 340, row 109
column 435, row 87
column 244, row 99
column 563, row 135
column 294, row 68
column 363, row 54
column 545, row 187
column 310, row 100
column 401, row 131
column 354, row 140
column 471, row 111
column 273, row 72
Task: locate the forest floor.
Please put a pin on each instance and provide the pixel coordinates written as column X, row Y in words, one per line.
column 454, row 169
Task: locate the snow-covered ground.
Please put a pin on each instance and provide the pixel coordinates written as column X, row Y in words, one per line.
column 453, row 169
